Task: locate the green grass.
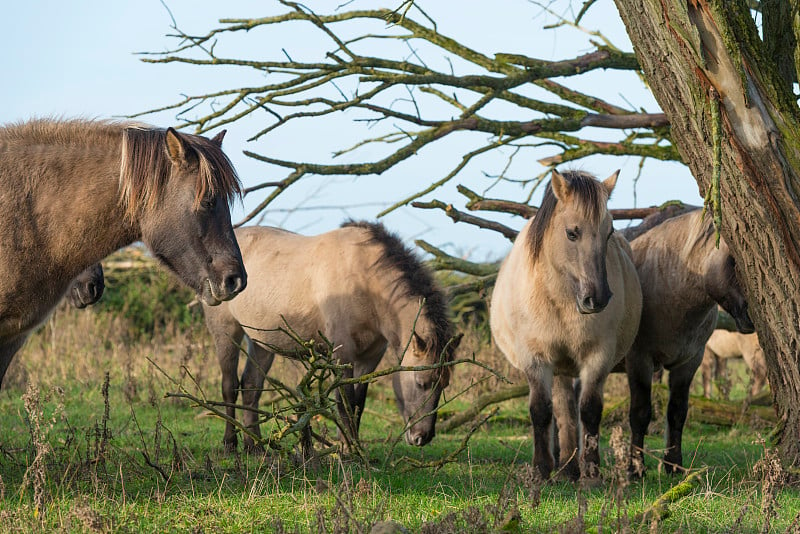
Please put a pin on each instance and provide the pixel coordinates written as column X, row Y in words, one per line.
column 209, row 491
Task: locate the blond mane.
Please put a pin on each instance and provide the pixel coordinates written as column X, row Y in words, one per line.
column 145, row 168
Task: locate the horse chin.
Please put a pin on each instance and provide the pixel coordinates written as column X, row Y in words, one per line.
column 208, row 295
column 588, row 311
column 745, row 326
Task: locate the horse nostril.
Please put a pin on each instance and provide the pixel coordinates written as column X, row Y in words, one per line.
column 420, row 439
column 95, row 291
column 234, row 284
column 589, row 303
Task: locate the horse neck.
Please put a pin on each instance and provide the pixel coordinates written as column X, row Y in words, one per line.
column 400, row 315
column 84, row 214
column 685, row 291
column 548, row 278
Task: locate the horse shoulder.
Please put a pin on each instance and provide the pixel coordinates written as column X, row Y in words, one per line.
column 516, row 322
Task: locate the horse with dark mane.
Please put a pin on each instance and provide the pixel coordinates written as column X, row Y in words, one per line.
column 72, row 192
column 684, row 276
column 566, row 305
column 360, row 288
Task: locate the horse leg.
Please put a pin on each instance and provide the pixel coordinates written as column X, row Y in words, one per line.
column 590, row 403
column 366, row 363
column 639, row 368
column 723, row 378
column 8, row 348
column 566, row 417
column 345, row 403
column 680, row 381
column 540, row 405
column 228, row 343
column 258, row 364
column 707, row 370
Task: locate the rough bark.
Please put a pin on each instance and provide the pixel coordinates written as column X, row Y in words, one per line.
column 700, row 54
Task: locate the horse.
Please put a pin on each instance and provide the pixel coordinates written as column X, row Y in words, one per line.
column 73, row 191
column 724, row 345
column 88, row 287
column 359, row 287
column 567, row 303
column 684, row 277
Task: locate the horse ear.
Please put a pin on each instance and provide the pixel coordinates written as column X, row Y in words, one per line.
column 176, row 148
column 560, row 186
column 610, row 182
column 217, row 139
column 419, row 343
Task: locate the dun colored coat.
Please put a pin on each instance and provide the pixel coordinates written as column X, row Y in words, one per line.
column 567, row 303
column 360, row 288
column 684, row 276
column 723, row 346
column 71, row 192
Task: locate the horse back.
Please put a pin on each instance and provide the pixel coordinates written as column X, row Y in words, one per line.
column 312, row 284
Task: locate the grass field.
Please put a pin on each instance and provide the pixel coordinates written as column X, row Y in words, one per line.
column 74, row 461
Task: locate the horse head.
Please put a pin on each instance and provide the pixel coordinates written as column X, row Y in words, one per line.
column 578, row 241
column 417, row 392
column 184, row 215
column 722, row 285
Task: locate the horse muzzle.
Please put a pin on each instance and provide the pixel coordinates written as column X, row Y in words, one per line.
column 419, row 438
column 233, row 284
column 744, row 324
column 590, row 304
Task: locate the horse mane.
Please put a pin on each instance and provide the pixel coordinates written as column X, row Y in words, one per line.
column 416, row 278
column 146, row 167
column 588, row 193
column 51, row 131
column 702, row 233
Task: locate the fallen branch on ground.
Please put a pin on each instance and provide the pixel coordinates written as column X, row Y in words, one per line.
column 659, row 510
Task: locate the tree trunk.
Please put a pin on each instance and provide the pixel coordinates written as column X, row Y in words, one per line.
column 700, row 56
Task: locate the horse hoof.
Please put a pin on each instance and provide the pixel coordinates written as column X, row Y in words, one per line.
column 569, row 473
column 591, row 482
column 673, row 468
column 254, row 448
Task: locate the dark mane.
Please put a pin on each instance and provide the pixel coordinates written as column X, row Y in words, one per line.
column 146, row 167
column 416, row 278
column 586, row 191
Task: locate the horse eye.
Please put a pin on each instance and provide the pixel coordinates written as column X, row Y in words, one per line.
column 209, row 203
column 572, row 234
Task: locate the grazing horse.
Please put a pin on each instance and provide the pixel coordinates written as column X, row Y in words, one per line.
column 88, row 287
column 362, row 289
column 684, row 276
column 567, row 303
column 72, row 192
column 724, row 345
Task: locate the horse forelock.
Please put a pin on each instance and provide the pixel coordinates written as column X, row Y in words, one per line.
column 587, row 194
column 145, row 169
column 416, row 282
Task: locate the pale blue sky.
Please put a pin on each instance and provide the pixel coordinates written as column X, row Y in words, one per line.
column 78, row 59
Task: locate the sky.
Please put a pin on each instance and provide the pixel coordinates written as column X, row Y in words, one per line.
column 80, row 59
